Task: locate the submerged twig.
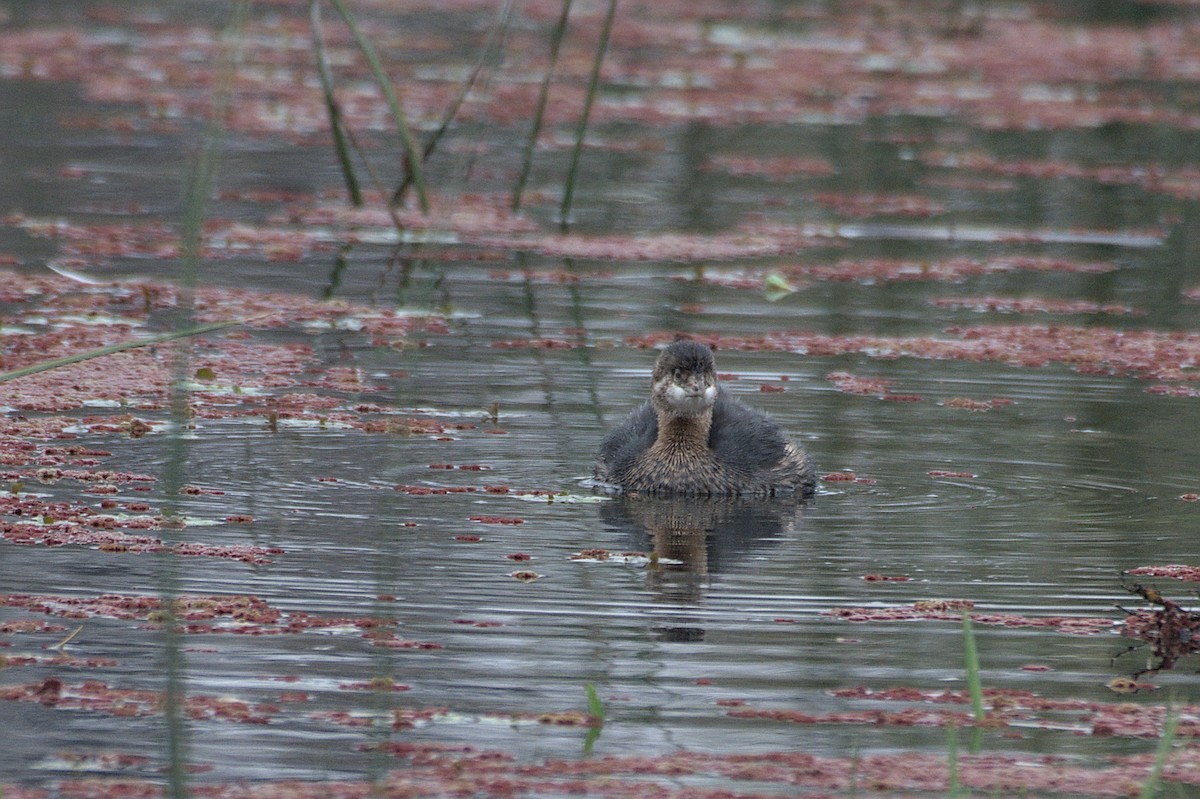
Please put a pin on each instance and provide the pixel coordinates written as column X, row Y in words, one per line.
column 70, row 636
column 412, row 160
column 593, row 85
column 1172, row 631
column 55, row 363
column 540, row 108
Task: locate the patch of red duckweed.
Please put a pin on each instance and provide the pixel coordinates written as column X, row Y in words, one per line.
column 471, row 539
column 952, row 475
column 784, row 167
column 767, row 388
column 847, row 477
column 852, row 384
column 967, row 404
column 61, row 524
column 1173, row 391
column 1031, row 305
column 30, row 626
column 1190, row 497
column 953, row 609
column 1036, row 667
column 1182, row 183
column 592, row 554
column 497, row 519
column 863, row 205
column 1189, row 574
column 196, row 491
column 374, row 684
column 525, row 576
column 97, row 697
column 913, row 717
column 410, row 426
column 417, row 491
column 886, row 578
column 519, row 556
column 392, row 642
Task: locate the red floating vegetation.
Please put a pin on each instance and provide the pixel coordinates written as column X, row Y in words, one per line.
column 886, row 578
column 864, row 205
column 953, row 475
column 781, row 167
column 1089, row 350
column 519, row 556
column 852, row 384
column 525, row 576
column 978, row 406
column 953, row 609
column 471, row 539
column 1188, row 574
column 1031, row 305
column 416, row 490
column 497, row 519
column 97, row 697
column 767, row 388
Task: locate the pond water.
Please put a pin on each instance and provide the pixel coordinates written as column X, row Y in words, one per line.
column 1023, row 476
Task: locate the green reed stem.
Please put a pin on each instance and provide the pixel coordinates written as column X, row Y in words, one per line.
column 595, row 706
column 201, row 180
column 593, row 86
column 412, row 159
column 336, row 124
column 55, row 363
column 1165, row 743
column 540, row 109
column 494, row 44
column 953, row 787
column 971, row 655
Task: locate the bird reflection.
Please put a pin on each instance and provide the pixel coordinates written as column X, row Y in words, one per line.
column 693, row 538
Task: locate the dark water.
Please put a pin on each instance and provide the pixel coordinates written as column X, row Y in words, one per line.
column 1076, row 480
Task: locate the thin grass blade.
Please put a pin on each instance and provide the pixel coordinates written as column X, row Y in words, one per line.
column 336, row 125
column 581, row 130
column 493, row 45
column 971, row 656
column 539, row 111
column 1165, row 743
column 412, row 158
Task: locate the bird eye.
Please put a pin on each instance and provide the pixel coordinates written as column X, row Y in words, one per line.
column 677, row 373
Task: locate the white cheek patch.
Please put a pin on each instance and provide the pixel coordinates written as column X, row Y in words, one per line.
column 676, row 394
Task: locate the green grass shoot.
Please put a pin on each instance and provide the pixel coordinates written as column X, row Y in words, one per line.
column 564, row 212
column 953, row 786
column 412, row 158
column 491, row 48
column 337, row 127
column 971, row 655
column 55, row 363
column 1165, row 743
column 539, row 111
column 594, row 705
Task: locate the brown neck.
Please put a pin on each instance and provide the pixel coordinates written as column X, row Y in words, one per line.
column 688, row 433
